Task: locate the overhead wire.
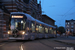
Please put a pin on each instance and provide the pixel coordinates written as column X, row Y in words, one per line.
column 67, row 12
column 63, row 17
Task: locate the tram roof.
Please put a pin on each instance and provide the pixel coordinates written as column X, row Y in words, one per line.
column 29, row 17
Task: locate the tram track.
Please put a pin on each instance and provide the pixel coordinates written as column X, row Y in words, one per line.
column 9, row 42
column 46, row 44
column 53, row 44
column 56, row 42
column 3, row 43
column 20, row 44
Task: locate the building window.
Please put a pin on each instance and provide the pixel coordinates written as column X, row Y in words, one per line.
column 71, row 26
column 68, row 23
column 68, row 30
column 71, row 22
column 24, row 10
column 72, row 30
column 26, row 1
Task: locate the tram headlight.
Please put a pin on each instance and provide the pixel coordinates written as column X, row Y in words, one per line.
column 23, row 33
column 8, row 32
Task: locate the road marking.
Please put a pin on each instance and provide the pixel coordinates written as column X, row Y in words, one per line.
column 21, row 48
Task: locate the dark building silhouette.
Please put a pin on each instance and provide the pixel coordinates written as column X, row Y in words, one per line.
column 4, row 20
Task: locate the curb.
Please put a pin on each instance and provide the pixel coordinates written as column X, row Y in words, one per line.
column 65, row 42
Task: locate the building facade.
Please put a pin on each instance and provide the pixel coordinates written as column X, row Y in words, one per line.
column 48, row 20
column 4, row 21
column 27, row 6
column 70, row 27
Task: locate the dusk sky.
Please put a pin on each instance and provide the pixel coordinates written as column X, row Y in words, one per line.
column 59, row 10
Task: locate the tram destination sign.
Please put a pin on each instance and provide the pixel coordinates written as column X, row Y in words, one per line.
column 17, row 16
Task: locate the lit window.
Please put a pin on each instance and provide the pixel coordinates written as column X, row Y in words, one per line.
column 50, row 28
column 68, row 23
column 46, row 30
column 16, row 24
column 32, row 24
column 41, row 29
column 33, row 28
column 40, row 25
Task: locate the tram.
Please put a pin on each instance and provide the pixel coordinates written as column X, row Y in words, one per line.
column 23, row 26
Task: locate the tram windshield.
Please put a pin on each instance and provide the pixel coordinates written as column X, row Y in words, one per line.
column 17, row 23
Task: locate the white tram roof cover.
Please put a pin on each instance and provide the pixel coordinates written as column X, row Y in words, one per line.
column 29, row 17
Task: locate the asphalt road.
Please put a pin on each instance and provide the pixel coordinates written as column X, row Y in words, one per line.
column 41, row 44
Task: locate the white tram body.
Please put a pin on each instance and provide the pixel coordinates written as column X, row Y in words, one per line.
column 23, row 27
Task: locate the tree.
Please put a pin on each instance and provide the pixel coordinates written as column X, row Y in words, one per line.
column 61, row 29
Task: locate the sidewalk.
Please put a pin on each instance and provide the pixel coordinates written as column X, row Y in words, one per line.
column 67, row 40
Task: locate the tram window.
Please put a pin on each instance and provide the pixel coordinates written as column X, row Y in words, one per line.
column 46, row 30
column 30, row 26
column 51, row 31
column 18, row 24
column 27, row 26
column 54, row 31
column 12, row 24
column 40, row 29
column 33, row 27
column 37, row 28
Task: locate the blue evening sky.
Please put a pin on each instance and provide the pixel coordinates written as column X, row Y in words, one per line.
column 59, row 10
